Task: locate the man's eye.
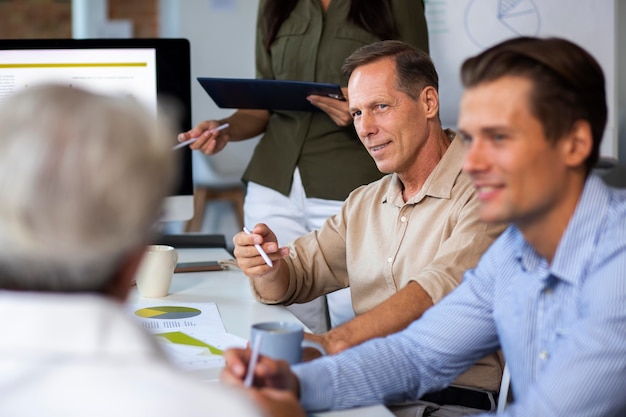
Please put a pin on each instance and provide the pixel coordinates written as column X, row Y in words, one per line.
column 356, row 113
column 382, row 106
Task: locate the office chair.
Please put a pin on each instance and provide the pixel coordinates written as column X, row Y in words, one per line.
column 504, row 395
column 616, row 176
column 203, row 193
column 218, row 177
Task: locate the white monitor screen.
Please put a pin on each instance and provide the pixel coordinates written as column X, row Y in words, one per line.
column 106, row 71
column 146, row 69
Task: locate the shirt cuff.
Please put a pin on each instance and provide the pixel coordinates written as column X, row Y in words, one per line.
column 315, row 386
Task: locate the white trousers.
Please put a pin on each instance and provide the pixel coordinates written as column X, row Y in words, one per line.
column 290, row 217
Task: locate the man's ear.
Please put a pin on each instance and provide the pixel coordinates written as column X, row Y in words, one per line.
column 430, row 99
column 124, row 275
column 576, row 147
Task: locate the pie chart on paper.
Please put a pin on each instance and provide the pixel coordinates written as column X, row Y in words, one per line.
column 168, row 312
column 488, row 22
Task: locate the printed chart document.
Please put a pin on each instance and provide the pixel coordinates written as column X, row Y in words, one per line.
column 191, row 334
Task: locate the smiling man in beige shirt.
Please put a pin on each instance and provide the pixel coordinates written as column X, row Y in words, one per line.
column 401, row 243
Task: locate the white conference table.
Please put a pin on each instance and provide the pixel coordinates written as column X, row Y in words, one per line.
column 230, row 291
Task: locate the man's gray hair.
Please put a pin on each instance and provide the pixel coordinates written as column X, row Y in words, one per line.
column 83, row 177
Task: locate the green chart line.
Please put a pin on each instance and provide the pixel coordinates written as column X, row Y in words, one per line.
column 184, row 339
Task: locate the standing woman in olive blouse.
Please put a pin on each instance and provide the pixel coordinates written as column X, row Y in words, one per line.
column 307, row 163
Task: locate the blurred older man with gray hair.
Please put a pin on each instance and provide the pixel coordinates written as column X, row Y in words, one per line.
column 83, row 177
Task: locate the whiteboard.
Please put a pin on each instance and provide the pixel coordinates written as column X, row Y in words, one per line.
column 459, row 29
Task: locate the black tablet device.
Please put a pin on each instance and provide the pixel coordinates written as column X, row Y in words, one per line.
column 246, row 93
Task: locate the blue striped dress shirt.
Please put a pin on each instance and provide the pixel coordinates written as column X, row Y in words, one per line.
column 562, row 327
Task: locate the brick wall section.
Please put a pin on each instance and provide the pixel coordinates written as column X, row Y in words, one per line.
column 28, row 19
column 143, row 13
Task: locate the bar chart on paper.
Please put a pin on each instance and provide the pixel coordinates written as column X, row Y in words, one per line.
column 191, row 335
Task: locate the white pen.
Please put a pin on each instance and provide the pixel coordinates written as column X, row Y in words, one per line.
column 254, row 357
column 192, row 140
column 258, row 247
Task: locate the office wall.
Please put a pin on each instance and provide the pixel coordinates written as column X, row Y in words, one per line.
column 462, row 28
column 115, row 19
column 221, row 33
column 35, row 19
column 144, row 15
column 457, row 28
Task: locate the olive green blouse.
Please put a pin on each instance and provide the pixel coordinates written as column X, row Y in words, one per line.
column 311, row 46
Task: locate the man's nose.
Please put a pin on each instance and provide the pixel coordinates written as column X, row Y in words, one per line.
column 475, row 156
column 365, row 126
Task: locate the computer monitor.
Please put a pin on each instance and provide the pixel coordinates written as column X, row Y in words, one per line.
column 147, row 69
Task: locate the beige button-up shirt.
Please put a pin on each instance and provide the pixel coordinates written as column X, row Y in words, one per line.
column 378, row 243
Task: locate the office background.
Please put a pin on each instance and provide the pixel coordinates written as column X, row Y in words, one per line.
column 221, row 33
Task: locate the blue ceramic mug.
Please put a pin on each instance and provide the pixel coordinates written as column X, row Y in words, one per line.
column 282, row 340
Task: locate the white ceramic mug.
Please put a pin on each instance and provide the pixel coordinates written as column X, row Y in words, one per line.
column 282, row 340
column 155, row 271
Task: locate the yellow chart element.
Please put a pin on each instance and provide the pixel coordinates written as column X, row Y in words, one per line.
column 168, row 312
column 181, row 338
column 75, row 65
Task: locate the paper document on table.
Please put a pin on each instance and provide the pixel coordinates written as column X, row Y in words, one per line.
column 157, row 316
column 192, row 335
column 191, row 353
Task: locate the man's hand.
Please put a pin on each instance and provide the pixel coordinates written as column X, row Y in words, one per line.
column 270, row 283
column 277, row 403
column 268, row 373
column 330, row 344
column 248, row 257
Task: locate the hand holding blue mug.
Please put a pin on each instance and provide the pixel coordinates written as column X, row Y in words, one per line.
column 282, row 340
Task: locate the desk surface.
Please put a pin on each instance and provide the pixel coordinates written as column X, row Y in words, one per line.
column 230, row 290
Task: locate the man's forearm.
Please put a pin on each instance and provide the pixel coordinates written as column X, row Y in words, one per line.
column 245, row 124
column 390, row 316
column 272, row 286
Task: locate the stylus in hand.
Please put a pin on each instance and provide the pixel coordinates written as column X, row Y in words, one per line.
column 259, row 249
column 254, row 357
column 192, row 140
